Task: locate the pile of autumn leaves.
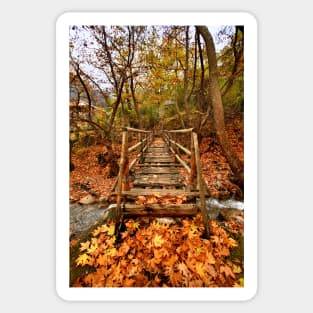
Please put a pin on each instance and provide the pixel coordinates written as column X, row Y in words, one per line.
column 159, row 255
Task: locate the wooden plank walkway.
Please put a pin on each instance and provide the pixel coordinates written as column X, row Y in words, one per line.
column 158, row 187
column 158, row 178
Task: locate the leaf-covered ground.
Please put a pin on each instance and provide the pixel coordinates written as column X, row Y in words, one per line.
column 153, row 254
column 88, row 175
column 216, row 170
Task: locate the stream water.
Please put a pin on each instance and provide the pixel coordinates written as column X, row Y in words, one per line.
column 224, row 204
column 83, row 216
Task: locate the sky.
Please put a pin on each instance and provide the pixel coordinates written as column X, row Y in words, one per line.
column 214, row 31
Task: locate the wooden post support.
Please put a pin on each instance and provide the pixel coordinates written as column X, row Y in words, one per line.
column 126, row 174
column 175, row 140
column 192, row 183
column 201, row 185
column 169, row 140
column 119, row 188
column 141, row 147
column 151, row 137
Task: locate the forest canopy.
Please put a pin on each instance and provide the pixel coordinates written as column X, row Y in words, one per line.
column 150, row 76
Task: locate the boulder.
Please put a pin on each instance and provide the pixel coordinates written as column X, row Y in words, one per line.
column 89, row 199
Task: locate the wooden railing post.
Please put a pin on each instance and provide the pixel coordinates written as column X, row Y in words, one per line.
column 192, row 176
column 201, row 185
column 169, row 139
column 141, row 147
column 148, row 139
column 175, row 147
column 119, row 188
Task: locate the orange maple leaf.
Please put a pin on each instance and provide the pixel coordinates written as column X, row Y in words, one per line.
column 231, row 242
column 157, row 241
column 160, row 253
column 101, row 260
column 182, row 268
column 211, row 270
column 129, row 282
column 101, row 229
column 227, row 271
column 210, row 258
column 152, row 200
column 195, row 283
column 73, row 242
column 171, row 260
column 84, row 245
column 200, row 269
column 141, row 200
column 176, row 279
column 123, row 249
column 181, row 199
column 92, row 249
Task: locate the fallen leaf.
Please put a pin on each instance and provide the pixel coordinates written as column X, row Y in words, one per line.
column 157, row 241
column 83, row 259
column 111, row 230
column 227, row 271
column 84, row 245
column 200, row 269
column 210, row 258
column 236, row 269
column 129, row 282
column 182, row 268
column 92, row 249
column 101, row 260
column 141, row 200
column 73, row 243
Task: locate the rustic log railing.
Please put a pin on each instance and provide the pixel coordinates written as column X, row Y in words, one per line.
column 194, row 169
column 122, row 182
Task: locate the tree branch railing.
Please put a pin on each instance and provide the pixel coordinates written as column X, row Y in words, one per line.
column 122, row 182
column 194, row 169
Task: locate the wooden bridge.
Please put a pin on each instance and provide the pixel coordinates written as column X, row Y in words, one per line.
column 152, row 183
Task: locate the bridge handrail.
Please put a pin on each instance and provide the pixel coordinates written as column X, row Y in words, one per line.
column 137, row 130
column 122, row 183
column 185, row 130
column 195, row 168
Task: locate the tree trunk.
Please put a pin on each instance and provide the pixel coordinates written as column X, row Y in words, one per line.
column 238, row 56
column 115, row 105
column 194, row 70
column 176, row 91
column 77, row 70
column 202, row 100
column 186, row 71
column 132, row 88
column 218, row 110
